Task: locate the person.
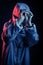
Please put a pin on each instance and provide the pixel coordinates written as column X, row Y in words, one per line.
column 19, row 34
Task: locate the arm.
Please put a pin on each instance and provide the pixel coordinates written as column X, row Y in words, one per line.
column 32, row 35
column 2, row 37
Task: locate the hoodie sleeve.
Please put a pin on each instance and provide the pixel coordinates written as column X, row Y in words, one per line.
column 3, row 35
column 32, row 36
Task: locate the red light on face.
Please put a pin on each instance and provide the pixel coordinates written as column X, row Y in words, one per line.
column 16, row 12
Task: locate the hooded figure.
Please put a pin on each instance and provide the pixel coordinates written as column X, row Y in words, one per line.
column 18, row 35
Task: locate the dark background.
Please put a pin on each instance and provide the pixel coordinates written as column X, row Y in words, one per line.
column 6, row 7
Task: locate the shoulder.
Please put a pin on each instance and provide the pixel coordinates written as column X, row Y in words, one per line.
column 6, row 25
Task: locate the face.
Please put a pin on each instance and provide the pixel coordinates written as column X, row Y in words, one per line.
column 15, row 14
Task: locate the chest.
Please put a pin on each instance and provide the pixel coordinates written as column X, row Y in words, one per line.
column 15, row 36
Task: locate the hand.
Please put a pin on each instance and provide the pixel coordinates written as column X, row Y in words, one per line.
column 20, row 21
column 28, row 18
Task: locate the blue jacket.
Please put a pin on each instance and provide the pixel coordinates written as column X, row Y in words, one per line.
column 18, row 43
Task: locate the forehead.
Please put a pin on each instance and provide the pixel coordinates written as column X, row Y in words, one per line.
column 16, row 11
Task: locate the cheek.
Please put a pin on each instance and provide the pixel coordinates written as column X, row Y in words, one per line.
column 14, row 20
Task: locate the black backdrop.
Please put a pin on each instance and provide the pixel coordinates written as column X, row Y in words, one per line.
column 6, row 7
